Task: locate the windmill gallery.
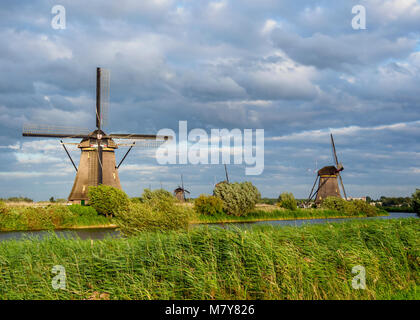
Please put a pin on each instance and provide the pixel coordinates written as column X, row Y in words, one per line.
column 97, row 163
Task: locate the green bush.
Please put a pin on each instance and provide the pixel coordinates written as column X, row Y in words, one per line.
column 208, row 205
column 334, row 203
column 287, row 201
column 107, row 200
column 157, row 195
column 238, row 198
column 83, row 211
column 357, row 207
column 415, row 202
column 350, row 208
column 153, row 215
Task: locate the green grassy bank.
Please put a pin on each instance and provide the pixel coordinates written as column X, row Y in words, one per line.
column 55, row 217
column 311, row 262
column 51, row 217
column 280, row 214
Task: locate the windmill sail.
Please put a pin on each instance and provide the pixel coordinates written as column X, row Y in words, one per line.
column 105, row 80
column 138, row 136
column 102, row 97
column 44, row 130
column 339, row 166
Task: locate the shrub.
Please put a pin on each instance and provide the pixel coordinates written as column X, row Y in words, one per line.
column 157, row 195
column 357, row 207
column 287, row 201
column 415, row 202
column 208, row 205
column 334, row 203
column 83, row 211
column 108, row 200
column 350, row 208
column 155, row 215
column 238, row 198
column 87, row 215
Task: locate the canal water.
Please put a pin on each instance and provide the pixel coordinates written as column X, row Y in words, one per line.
column 102, row 233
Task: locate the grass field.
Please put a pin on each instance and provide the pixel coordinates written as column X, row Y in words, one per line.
column 310, row 262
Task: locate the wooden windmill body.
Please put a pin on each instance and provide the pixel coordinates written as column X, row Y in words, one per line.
column 97, row 160
column 327, row 178
column 328, row 183
column 180, row 192
column 87, row 173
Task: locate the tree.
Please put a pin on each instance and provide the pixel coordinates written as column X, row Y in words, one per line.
column 287, row 201
column 238, row 198
column 415, row 201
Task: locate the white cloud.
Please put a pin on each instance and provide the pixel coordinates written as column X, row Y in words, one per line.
column 322, row 134
column 269, row 26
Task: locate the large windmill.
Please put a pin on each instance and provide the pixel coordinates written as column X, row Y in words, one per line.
column 97, row 161
column 327, row 180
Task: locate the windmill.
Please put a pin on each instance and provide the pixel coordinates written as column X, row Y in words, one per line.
column 97, row 161
column 180, row 191
column 327, row 180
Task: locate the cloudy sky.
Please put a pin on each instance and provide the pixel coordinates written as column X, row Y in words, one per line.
column 296, row 69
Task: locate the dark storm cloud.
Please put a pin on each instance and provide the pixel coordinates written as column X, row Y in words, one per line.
column 296, row 69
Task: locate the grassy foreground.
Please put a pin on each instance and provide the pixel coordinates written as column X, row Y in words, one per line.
column 311, row 262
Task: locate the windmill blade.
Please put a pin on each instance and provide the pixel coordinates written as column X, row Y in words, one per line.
column 102, row 97
column 334, row 152
column 138, row 136
column 142, row 144
column 226, row 172
column 47, row 131
column 338, row 165
column 342, row 186
column 105, row 85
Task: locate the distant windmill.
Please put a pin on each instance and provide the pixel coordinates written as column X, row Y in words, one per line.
column 327, row 180
column 97, row 161
column 180, row 191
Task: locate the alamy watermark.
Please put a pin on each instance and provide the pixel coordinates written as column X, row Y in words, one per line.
column 58, row 281
column 359, row 20
column 359, row 281
column 198, row 147
column 59, row 20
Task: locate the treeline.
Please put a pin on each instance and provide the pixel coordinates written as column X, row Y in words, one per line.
column 398, row 204
column 16, row 199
